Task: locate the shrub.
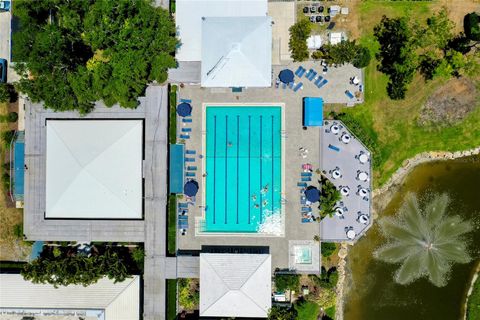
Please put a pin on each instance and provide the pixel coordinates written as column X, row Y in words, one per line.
column 6, row 182
column 329, row 196
column 362, row 58
column 282, row 313
column 18, row 231
column 328, row 248
column 471, row 25
column 299, row 33
column 8, row 93
column 7, row 137
column 287, row 281
column 138, row 255
column 327, row 279
column 188, row 294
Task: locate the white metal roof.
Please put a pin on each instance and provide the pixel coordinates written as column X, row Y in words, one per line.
column 94, row 169
column 236, row 52
column 235, row 285
column 189, row 15
column 120, row 301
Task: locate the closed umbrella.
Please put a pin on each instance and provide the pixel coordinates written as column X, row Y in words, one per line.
column 312, row 194
column 286, row 76
column 191, row 188
column 184, row 109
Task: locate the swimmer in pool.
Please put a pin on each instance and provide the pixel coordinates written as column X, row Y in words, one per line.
column 265, row 203
column 254, row 197
column 265, row 189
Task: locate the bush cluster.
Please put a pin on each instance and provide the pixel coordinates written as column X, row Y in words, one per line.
column 299, row 33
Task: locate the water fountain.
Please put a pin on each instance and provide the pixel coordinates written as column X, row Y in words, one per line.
column 426, row 242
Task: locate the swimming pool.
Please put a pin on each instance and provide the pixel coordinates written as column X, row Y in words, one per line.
column 243, row 166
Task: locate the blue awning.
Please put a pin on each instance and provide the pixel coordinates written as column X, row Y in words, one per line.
column 312, row 112
column 19, row 169
column 176, row 168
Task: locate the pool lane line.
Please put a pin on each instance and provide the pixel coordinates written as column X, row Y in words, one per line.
column 261, row 156
column 226, row 167
column 214, row 166
column 273, row 167
column 249, row 159
column 238, row 157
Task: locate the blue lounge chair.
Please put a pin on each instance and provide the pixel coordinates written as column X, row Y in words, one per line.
column 321, row 84
column 186, row 100
column 290, row 85
column 184, row 136
column 306, row 179
column 333, row 148
column 182, row 205
column 306, row 209
column 302, row 72
column 303, row 200
column 301, row 184
column 186, row 129
column 192, row 168
column 306, row 220
column 298, row 87
column 309, row 73
column 187, row 120
column 284, row 85
column 189, row 159
column 190, row 174
column 184, row 210
column 313, row 75
column 298, row 71
column 306, row 174
column 317, row 82
column 349, row 94
column 191, row 152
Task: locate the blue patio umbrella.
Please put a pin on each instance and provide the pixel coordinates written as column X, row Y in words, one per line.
column 286, row 76
column 184, row 109
column 190, row 188
column 312, row 194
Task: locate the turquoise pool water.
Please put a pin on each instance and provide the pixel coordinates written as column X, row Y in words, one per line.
column 243, row 165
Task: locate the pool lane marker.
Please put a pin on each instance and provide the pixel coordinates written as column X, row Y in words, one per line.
column 249, row 159
column 273, row 167
column 214, row 164
column 261, row 155
column 238, row 156
column 226, row 167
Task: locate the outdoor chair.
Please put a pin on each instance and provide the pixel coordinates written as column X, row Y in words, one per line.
column 190, row 152
column 187, row 120
column 186, row 100
column 190, row 174
column 298, row 87
column 191, row 168
column 186, row 129
column 184, row 136
column 189, row 159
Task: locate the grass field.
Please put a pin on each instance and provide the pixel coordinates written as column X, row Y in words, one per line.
column 307, row 310
column 171, row 299
column 473, row 305
column 393, row 123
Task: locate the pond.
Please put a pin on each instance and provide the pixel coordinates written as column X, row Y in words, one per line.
column 373, row 294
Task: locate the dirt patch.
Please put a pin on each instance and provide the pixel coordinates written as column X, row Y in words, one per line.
column 450, row 103
column 458, row 9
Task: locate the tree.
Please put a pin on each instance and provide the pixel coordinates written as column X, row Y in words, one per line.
column 329, row 196
column 287, row 281
column 396, row 56
column 471, row 25
column 75, row 53
column 362, row 57
column 299, row 32
column 328, row 248
column 4, row 94
column 282, row 313
column 188, row 294
column 426, row 242
column 344, row 52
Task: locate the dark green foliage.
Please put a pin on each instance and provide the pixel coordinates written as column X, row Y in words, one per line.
column 172, row 224
column 172, row 125
column 7, row 137
column 69, row 267
column 188, row 294
column 18, row 230
column 6, row 182
column 138, row 255
column 10, row 117
column 171, row 299
column 328, row 248
column 78, row 52
column 396, row 55
column 344, row 52
column 8, row 93
column 327, row 279
column 369, row 139
column 471, row 25
column 299, row 32
column 329, row 196
column 287, row 281
column 282, row 313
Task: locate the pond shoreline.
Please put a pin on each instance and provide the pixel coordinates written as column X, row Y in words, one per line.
column 382, row 196
column 470, row 290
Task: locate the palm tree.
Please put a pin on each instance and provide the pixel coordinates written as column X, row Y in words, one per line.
column 425, row 242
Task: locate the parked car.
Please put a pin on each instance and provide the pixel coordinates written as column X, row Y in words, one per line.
column 312, row 18
column 313, row 9
column 3, row 70
column 319, row 18
column 321, row 9
column 305, row 9
column 327, row 18
column 4, row 5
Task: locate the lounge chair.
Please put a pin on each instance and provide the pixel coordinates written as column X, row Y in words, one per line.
column 309, row 73
column 190, row 174
column 184, row 136
column 301, row 184
column 186, row 129
column 291, row 84
column 349, row 94
column 284, row 85
column 186, row 100
column 333, row 148
column 313, row 75
column 306, row 209
column 317, row 82
column 298, row 87
column 306, row 174
column 191, row 152
column 182, row 205
column 321, row 84
column 306, row 220
column 189, row 159
column 192, row 168
column 300, row 71
column 306, row 179
column 187, row 120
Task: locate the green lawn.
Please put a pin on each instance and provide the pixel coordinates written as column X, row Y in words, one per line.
column 473, row 306
column 171, row 299
column 330, row 312
column 307, row 310
column 392, row 124
column 172, row 224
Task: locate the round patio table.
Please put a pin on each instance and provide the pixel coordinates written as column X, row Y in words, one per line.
column 335, row 129
column 346, row 138
column 336, row 174
column 351, row 234
column 362, row 176
column 363, row 158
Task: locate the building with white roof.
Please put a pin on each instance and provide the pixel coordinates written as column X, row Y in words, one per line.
column 235, row 285
column 91, row 158
column 104, row 300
